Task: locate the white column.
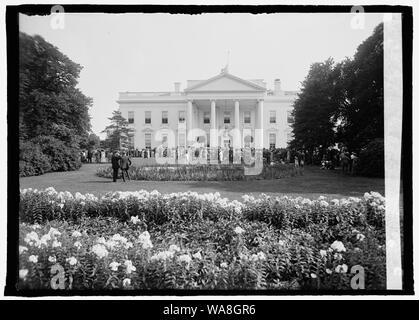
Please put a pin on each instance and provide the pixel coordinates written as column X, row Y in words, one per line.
column 259, row 127
column 237, row 114
column 189, row 121
column 237, row 142
column 213, row 134
column 213, row 115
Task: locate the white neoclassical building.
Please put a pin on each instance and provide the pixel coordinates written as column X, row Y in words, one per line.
column 224, row 110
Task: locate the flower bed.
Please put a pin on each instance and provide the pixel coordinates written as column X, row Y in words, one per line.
column 198, row 241
column 201, row 172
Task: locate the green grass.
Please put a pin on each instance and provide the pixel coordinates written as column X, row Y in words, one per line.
column 314, row 182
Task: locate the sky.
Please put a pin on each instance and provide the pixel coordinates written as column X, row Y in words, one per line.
column 149, row 52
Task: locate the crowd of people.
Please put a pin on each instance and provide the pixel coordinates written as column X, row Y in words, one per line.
column 332, row 158
column 342, row 158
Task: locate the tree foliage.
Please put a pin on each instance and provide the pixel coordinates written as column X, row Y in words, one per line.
column 50, row 104
column 343, row 102
column 118, row 131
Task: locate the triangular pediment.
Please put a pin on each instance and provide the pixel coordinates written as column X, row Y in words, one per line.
column 225, row 82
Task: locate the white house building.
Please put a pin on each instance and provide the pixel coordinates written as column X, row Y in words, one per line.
column 224, row 110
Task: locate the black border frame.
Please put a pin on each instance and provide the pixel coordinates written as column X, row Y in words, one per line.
column 12, row 31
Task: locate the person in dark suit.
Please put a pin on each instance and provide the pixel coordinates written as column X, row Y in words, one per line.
column 115, row 165
column 125, row 164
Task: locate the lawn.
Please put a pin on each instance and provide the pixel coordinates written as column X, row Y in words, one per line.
column 314, row 182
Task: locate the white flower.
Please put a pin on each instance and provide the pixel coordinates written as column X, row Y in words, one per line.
column 145, row 241
column 223, row 265
column 56, row 243
column 185, row 258
column 72, row 261
column 45, row 238
column 337, row 256
column 341, row 268
column 114, row 265
column 129, row 266
column 261, row 255
column 163, row 255
column 61, row 205
column 174, row 248
column 54, row 232
column 322, row 198
column 197, row 255
column 323, row 253
column 23, row 273
column 335, row 202
column 313, row 275
column 324, row 203
column 33, row 259
column 281, row 243
column 338, row 246
column 358, row 249
column 118, row 237
column 100, row 250
column 128, row 245
column 135, row 219
column 328, row 271
column 238, row 230
column 22, row 249
column 78, row 244
column 32, row 238
column 52, row 259
column 360, row 237
column 126, row 282
column 306, row 201
column 76, row 234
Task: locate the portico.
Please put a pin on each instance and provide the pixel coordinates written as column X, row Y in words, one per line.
column 213, row 118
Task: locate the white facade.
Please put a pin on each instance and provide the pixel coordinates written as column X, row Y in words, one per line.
column 208, row 113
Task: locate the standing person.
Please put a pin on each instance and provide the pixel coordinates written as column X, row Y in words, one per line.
column 354, row 162
column 301, row 156
column 125, row 164
column 296, row 164
column 344, row 160
column 115, row 164
column 89, row 156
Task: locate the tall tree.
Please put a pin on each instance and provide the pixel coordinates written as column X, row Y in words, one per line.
column 49, row 102
column 361, row 112
column 118, row 131
column 53, row 113
column 314, row 108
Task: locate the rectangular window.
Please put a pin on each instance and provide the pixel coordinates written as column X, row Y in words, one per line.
column 130, row 116
column 226, row 117
column 181, row 116
column 164, row 117
column 147, row 117
column 272, row 140
column 272, row 116
column 207, row 117
column 290, row 117
column 147, row 140
column 246, row 117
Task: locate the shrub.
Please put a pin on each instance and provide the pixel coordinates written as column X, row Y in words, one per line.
column 31, row 160
column 371, row 159
column 44, row 154
column 61, row 156
column 201, row 172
